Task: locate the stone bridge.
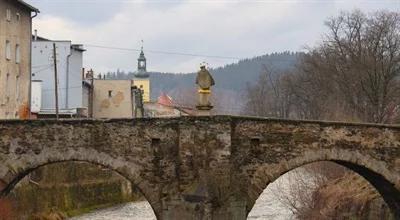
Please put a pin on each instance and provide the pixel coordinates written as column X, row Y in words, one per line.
column 203, row 167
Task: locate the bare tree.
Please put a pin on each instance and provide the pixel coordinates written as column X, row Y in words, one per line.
column 353, row 75
column 298, row 192
column 357, row 67
column 270, row 96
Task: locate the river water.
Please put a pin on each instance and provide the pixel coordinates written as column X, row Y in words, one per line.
column 265, row 208
column 268, row 206
column 131, row 211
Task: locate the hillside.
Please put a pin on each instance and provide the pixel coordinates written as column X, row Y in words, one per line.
column 230, row 79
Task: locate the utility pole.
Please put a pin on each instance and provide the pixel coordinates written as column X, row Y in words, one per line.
column 91, row 74
column 55, row 77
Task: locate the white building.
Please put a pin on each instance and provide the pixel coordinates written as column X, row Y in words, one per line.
column 69, row 71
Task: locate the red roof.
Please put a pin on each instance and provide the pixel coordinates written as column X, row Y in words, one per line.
column 164, row 99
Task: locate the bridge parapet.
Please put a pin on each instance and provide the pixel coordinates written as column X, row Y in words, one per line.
column 210, row 167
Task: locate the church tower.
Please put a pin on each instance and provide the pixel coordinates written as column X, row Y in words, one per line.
column 141, row 77
column 141, row 70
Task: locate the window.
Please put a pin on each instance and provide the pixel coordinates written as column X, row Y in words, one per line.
column 109, row 93
column 7, row 88
column 1, row 90
column 17, row 54
column 17, row 87
column 8, row 15
column 8, row 50
column 18, row 16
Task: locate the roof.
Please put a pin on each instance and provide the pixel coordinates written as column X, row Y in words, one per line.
column 38, row 38
column 165, row 100
column 30, row 7
column 78, row 47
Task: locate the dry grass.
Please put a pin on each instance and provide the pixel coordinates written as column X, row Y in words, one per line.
column 325, row 190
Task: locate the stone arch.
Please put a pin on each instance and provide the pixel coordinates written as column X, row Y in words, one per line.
column 379, row 174
column 13, row 170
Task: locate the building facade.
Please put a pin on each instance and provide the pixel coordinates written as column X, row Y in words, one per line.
column 129, row 98
column 69, row 73
column 112, row 98
column 15, row 58
column 121, row 98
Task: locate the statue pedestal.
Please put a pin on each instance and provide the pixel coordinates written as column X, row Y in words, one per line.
column 204, row 106
column 203, row 110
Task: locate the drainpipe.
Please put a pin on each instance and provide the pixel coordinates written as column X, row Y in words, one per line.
column 30, row 67
column 67, row 83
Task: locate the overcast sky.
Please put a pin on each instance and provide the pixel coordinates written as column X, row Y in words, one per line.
column 237, row 29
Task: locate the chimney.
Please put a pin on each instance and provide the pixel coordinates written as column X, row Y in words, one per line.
column 35, row 38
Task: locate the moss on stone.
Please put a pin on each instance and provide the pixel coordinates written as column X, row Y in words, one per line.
column 69, row 188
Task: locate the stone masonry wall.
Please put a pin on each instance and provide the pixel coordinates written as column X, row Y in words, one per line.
column 203, row 167
column 69, row 188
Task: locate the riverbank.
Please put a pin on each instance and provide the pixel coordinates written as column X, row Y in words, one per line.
column 67, row 189
column 132, row 211
column 349, row 197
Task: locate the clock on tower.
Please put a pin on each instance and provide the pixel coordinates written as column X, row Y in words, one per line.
column 141, row 77
column 142, row 62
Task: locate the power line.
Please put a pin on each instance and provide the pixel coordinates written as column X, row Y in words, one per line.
column 41, row 70
column 163, row 52
column 42, row 65
column 71, row 87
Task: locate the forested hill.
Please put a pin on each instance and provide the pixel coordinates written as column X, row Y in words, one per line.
column 232, row 77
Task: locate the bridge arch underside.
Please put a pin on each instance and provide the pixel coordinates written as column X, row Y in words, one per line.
column 13, row 171
column 385, row 181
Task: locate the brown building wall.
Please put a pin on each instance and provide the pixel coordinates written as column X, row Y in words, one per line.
column 112, row 99
column 14, row 77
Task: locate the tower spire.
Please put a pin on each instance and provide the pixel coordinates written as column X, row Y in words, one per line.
column 141, row 67
column 141, row 77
